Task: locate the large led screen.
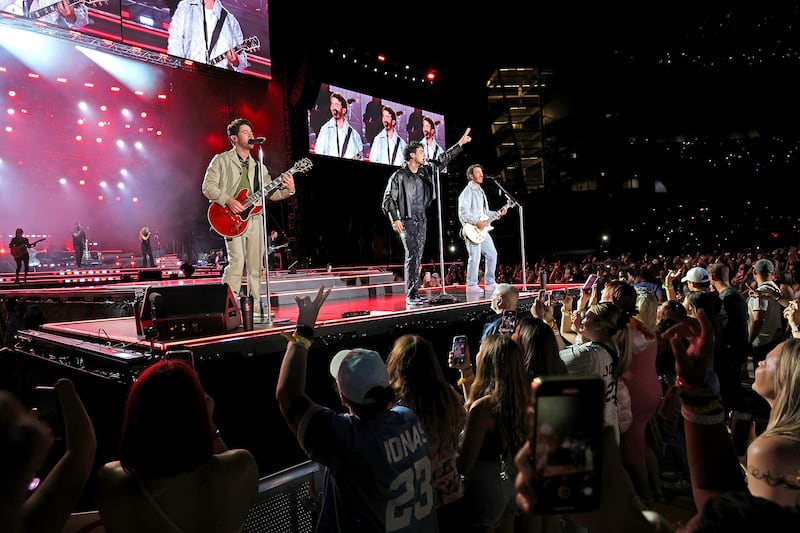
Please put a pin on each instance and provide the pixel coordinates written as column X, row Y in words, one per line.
column 350, row 124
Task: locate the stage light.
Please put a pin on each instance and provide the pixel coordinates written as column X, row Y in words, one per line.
column 431, row 76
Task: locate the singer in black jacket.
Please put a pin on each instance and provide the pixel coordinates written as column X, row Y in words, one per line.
column 408, row 195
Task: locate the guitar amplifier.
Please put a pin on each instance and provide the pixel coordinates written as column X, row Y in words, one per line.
column 181, row 311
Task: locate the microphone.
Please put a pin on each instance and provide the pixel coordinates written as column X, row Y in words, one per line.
column 155, row 298
column 257, row 140
column 492, row 177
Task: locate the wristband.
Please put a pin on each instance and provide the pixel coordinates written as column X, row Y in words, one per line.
column 710, row 384
column 467, row 379
column 305, row 342
column 711, row 419
column 304, row 331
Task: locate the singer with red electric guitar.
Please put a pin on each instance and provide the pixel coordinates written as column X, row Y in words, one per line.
column 233, row 184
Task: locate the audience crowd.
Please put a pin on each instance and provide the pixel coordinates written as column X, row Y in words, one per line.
column 687, row 346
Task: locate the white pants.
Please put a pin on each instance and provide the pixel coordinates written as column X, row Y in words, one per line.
column 246, row 252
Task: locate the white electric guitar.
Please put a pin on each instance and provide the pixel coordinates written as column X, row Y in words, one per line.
column 477, row 236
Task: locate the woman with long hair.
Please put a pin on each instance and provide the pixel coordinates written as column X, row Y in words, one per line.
column 496, row 428
column 419, row 384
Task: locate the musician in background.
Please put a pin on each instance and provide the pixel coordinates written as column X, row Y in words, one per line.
column 19, row 249
column 275, row 258
column 224, row 34
column 473, row 208
column 78, row 244
column 147, row 248
column 227, row 175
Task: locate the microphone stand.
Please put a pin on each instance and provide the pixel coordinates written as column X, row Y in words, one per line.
column 521, row 232
column 268, row 320
column 443, row 298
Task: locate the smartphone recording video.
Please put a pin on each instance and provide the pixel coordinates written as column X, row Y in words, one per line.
column 187, row 356
column 591, row 281
column 508, row 323
column 47, row 407
column 557, row 295
column 566, row 437
column 459, row 346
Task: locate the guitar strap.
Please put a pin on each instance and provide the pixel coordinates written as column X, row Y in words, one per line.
column 346, row 140
column 217, row 30
column 394, row 154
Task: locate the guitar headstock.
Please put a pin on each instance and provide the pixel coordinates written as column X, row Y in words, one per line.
column 94, row 2
column 250, row 44
column 304, row 165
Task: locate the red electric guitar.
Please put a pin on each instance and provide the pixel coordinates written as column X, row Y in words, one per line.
column 230, row 224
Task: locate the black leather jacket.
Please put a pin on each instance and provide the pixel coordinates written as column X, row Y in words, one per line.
column 399, row 190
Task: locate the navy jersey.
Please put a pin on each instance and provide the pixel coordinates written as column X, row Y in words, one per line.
column 378, row 476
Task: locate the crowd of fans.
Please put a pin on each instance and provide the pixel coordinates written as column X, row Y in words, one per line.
column 409, row 451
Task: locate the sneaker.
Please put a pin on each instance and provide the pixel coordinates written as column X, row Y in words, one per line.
column 474, row 289
column 415, row 300
column 490, row 289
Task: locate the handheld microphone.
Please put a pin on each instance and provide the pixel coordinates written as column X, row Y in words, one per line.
column 492, row 177
column 257, row 140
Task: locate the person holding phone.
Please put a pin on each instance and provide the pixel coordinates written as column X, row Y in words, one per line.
column 473, row 208
column 505, row 297
column 25, row 442
column 496, row 427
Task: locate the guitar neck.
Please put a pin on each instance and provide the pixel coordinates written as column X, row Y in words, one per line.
column 220, row 57
column 277, row 183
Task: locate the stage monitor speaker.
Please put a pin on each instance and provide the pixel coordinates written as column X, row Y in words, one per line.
column 153, row 274
column 186, row 311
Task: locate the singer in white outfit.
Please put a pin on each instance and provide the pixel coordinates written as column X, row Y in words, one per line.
column 473, row 208
column 337, row 137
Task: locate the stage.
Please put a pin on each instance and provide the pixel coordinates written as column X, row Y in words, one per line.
column 97, row 335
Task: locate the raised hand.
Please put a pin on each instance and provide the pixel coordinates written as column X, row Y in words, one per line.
column 692, row 362
column 309, row 309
